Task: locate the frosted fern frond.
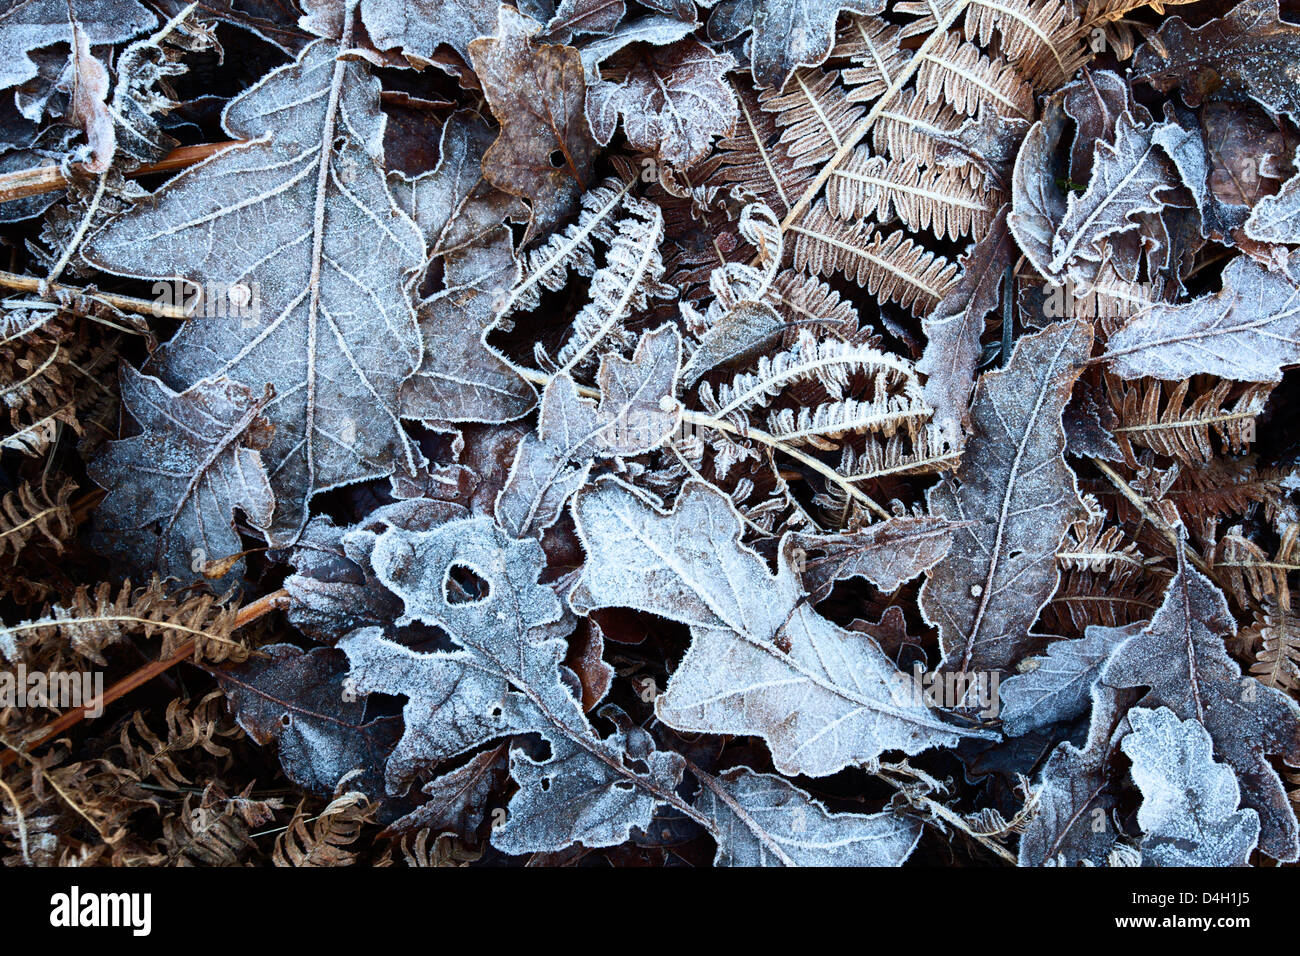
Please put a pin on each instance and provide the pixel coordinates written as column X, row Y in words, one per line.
column 892, row 267
column 631, row 275
column 831, row 364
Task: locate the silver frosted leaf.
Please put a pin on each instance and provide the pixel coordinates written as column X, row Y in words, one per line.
column 822, row 697
column 1189, row 814
column 175, row 487
column 297, row 232
column 416, row 27
column 1016, row 488
column 763, row 820
column 673, row 100
column 787, row 33
column 32, row 24
column 1059, row 685
column 1277, row 218
column 1180, row 657
column 887, row 553
column 1247, row 331
column 504, row 678
column 1130, row 177
column 1077, row 794
column 637, row 411
column 461, row 378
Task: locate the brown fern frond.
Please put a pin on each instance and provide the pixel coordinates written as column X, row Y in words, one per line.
column 148, row 755
column 806, row 299
column 423, row 849
column 938, row 199
column 753, row 157
column 824, row 425
column 323, row 842
column 814, row 112
column 1226, row 486
column 911, row 128
column 1111, row 598
column 892, row 267
column 1249, row 573
column 898, row 456
column 1153, row 414
column 91, row 621
column 831, row 364
column 31, row 511
column 213, row 833
column 964, row 78
column 1276, row 637
column 1042, row 38
column 1092, row 545
column 874, row 47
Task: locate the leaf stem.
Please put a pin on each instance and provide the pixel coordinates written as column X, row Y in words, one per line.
column 247, row 615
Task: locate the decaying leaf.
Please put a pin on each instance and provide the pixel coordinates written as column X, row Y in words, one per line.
column 822, row 697
column 1019, row 494
column 1189, row 814
column 673, row 100
column 302, row 703
column 787, row 33
column 201, row 451
column 537, row 93
column 28, row 25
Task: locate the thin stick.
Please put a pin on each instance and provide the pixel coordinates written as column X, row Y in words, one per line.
column 247, row 615
column 11, row 280
column 45, row 179
column 1127, row 490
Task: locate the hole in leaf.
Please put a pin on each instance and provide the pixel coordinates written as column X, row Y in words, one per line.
column 546, row 783
column 557, row 158
column 464, row 586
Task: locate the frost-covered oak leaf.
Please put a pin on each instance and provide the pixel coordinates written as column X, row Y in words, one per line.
column 175, row 487
column 787, row 33
column 504, row 677
column 1058, row 686
column 761, row 661
column 299, row 222
column 760, row 819
column 1189, row 814
column 1019, row 495
column 637, row 411
column 1181, row 660
column 1247, row 331
column 1130, row 177
column 27, row 25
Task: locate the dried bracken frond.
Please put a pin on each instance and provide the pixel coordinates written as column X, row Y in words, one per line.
column 324, row 841
column 892, row 266
column 1154, row 414
column 92, row 620
column 1252, row 574
column 935, row 200
column 32, row 511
